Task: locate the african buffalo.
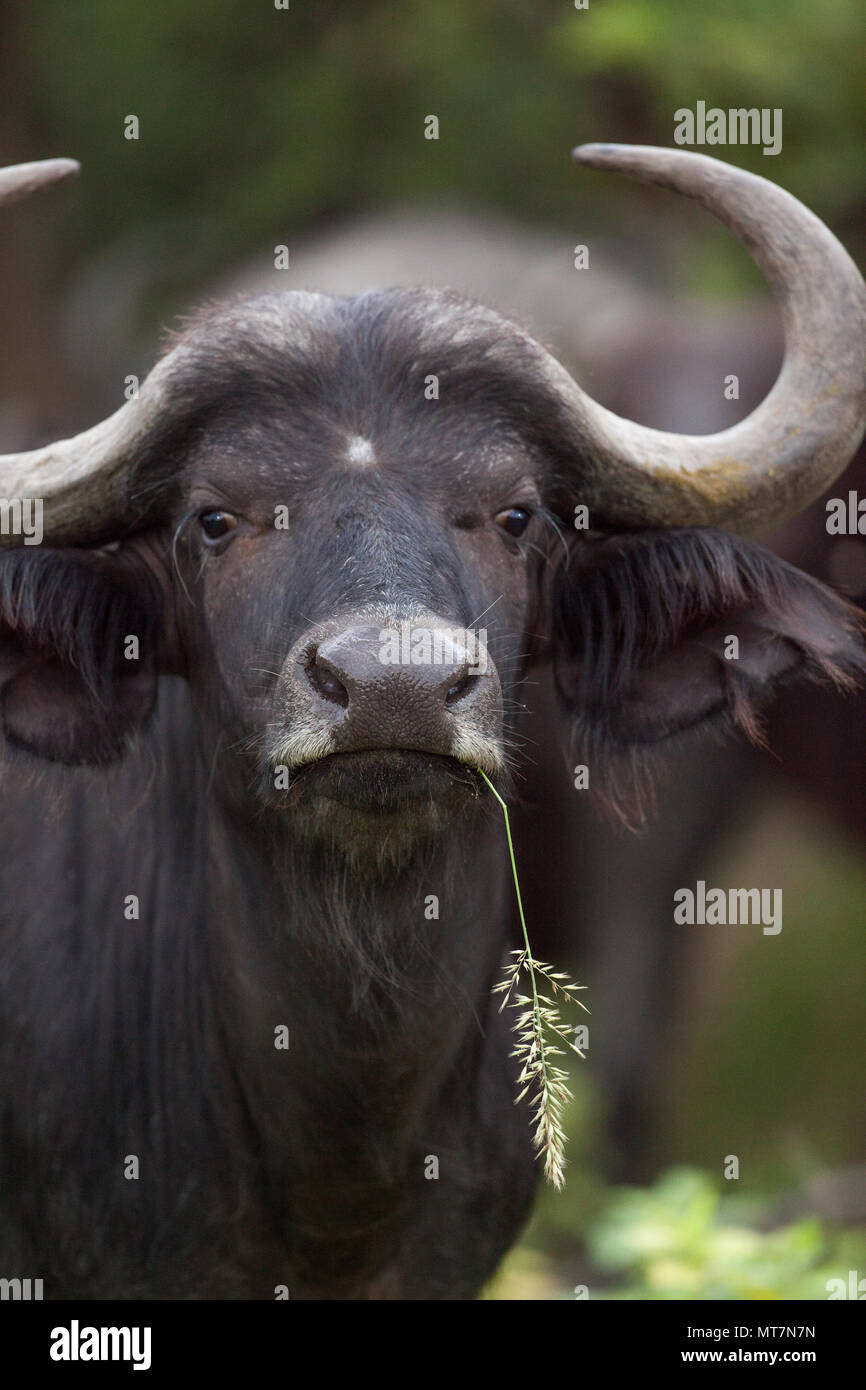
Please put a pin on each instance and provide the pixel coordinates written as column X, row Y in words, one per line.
column 225, row 811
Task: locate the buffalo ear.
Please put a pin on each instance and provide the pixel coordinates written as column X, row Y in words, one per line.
column 661, row 633
column 72, row 688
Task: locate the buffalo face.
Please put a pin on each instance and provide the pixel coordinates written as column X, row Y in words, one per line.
column 354, row 573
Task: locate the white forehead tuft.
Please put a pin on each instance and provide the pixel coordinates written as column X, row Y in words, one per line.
column 360, row 451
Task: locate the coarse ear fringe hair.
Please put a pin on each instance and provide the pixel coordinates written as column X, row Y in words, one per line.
column 631, row 599
column 77, row 607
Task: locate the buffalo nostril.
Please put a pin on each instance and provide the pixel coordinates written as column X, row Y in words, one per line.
column 327, row 683
column 460, row 688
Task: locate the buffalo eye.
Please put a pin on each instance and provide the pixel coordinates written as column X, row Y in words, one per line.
column 514, row 521
column 217, row 524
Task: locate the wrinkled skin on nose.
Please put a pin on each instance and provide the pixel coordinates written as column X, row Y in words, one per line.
column 412, row 687
column 373, row 699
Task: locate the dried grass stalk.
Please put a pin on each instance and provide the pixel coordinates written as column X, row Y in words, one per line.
column 540, row 1031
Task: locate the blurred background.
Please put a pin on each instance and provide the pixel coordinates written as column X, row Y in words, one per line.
column 261, row 126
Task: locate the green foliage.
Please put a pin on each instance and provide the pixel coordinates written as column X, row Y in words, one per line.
column 776, row 1036
column 680, row 1240
column 256, row 120
column 684, row 1238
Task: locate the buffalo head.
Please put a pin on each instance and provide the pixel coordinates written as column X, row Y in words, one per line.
column 349, row 525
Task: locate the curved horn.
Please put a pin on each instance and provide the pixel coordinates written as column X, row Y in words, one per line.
column 80, row 481
column 747, row 479
column 768, row 467
column 20, row 180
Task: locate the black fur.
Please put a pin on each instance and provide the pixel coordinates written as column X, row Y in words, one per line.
column 69, row 691
column 153, row 1036
column 659, row 607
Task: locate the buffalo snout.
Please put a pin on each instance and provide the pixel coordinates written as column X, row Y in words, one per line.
column 364, row 686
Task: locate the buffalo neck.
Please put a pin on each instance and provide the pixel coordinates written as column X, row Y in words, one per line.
column 391, row 958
